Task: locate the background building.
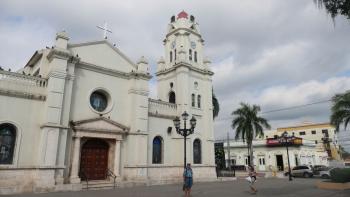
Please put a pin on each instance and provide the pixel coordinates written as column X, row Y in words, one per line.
column 315, row 144
column 323, row 134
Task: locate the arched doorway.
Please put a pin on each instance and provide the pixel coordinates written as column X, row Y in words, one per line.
column 94, row 160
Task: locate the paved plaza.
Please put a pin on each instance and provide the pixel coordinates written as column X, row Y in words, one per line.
column 238, row 188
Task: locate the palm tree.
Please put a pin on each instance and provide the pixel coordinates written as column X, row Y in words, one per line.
column 216, row 106
column 341, row 110
column 248, row 125
column 335, row 7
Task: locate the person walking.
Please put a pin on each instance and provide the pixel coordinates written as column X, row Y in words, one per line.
column 252, row 175
column 188, row 180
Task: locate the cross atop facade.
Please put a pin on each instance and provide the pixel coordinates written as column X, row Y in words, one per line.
column 105, row 30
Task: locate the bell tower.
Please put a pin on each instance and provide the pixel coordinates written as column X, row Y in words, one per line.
column 184, row 78
column 184, row 69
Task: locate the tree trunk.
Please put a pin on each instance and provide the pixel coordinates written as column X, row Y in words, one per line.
column 248, row 148
column 251, row 154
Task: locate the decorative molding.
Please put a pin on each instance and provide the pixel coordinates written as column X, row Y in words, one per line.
column 113, row 72
column 173, row 105
column 185, row 29
column 137, row 133
column 138, row 75
column 24, row 95
column 78, row 123
column 58, row 53
column 139, row 92
column 21, row 76
column 104, row 42
column 103, row 70
column 165, row 166
column 183, row 64
column 54, row 126
column 151, row 114
column 5, row 167
column 57, row 74
column 99, row 130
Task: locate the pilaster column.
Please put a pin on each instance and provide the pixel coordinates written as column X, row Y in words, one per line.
column 117, row 158
column 74, row 177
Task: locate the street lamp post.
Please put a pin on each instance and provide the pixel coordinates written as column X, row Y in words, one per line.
column 286, row 140
column 185, row 132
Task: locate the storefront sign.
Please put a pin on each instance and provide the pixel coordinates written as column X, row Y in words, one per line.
column 281, row 141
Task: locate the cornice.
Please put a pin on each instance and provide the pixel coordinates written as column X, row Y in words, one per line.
column 166, row 165
column 107, row 43
column 24, row 95
column 58, row 53
column 57, row 74
column 80, row 122
column 50, row 125
column 136, row 75
column 102, row 70
column 157, row 115
column 139, row 92
column 189, row 66
column 112, row 72
column 185, row 29
column 99, row 130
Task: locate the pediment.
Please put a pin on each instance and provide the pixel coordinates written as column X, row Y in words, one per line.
column 100, row 124
column 103, row 54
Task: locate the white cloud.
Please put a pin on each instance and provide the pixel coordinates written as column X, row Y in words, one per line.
column 283, row 96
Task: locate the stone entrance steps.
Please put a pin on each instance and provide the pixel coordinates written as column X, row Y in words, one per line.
column 97, row 185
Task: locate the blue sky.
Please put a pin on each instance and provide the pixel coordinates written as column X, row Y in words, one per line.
column 272, row 53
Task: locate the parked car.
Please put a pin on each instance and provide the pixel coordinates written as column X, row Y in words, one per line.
column 302, row 171
column 317, row 169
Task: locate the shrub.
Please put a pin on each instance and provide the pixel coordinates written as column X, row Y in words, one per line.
column 340, row 175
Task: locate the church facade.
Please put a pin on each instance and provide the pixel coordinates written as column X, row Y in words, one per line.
column 82, row 112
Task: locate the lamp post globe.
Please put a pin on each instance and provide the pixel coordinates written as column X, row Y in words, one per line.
column 177, row 123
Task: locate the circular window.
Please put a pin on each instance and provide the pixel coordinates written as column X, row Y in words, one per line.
column 98, row 101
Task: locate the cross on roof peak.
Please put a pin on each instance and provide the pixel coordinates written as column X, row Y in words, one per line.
column 105, row 30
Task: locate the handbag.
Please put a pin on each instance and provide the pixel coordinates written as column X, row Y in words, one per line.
column 249, row 179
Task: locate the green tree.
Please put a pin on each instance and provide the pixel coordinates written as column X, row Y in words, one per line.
column 340, row 110
column 220, row 158
column 335, row 7
column 216, row 105
column 248, row 125
column 343, row 153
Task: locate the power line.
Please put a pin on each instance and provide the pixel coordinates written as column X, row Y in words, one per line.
column 287, row 108
column 295, row 107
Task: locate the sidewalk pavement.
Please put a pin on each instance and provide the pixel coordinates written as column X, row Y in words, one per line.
column 237, row 188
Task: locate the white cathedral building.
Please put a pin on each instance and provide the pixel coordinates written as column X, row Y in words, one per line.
column 81, row 112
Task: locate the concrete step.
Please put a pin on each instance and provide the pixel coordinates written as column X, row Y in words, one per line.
column 96, row 185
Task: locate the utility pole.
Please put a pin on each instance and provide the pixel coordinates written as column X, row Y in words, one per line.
column 228, row 151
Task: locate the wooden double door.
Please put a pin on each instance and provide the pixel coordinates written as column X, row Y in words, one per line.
column 94, row 160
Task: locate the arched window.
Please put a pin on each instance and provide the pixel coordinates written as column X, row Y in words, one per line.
column 193, row 100
column 157, row 150
column 172, row 97
column 199, row 101
column 171, row 56
column 175, row 54
column 197, row 151
column 195, row 56
column 190, row 55
column 7, row 143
